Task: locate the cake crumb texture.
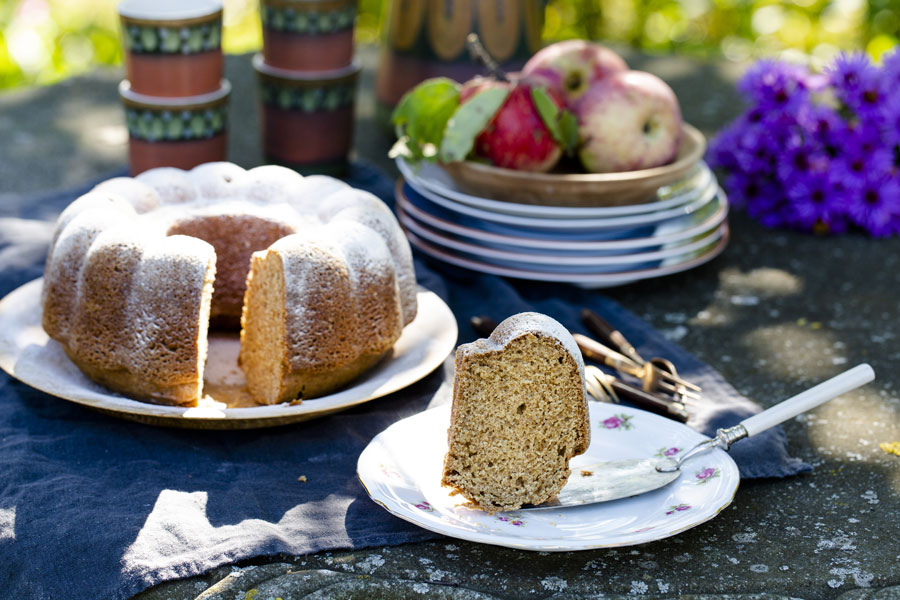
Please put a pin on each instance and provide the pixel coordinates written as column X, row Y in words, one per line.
column 519, row 414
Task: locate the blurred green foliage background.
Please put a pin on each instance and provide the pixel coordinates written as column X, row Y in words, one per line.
column 42, row 41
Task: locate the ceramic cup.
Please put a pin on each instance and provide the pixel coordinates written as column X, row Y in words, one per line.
column 175, row 132
column 307, row 118
column 173, row 48
column 308, row 35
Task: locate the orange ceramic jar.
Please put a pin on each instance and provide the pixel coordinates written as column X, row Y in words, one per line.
column 175, row 132
column 308, row 35
column 307, row 118
column 172, row 47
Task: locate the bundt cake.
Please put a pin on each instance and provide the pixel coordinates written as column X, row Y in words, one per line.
column 519, row 414
column 139, row 267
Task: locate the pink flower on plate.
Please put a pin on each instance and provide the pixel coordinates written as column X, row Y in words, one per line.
column 425, row 506
column 619, row 421
column 511, row 519
column 667, row 452
column 678, row 508
column 706, row 474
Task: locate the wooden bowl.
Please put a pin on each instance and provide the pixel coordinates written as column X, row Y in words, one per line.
column 578, row 189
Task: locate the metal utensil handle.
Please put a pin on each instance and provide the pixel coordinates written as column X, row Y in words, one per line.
column 811, row 398
column 603, row 329
column 594, row 350
column 802, row 402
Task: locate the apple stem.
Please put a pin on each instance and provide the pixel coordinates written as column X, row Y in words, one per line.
column 480, row 54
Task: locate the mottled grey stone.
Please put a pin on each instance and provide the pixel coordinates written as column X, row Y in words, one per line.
column 889, row 593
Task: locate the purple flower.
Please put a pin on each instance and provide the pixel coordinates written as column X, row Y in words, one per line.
column 848, row 72
column 517, row 523
column 890, row 72
column 775, row 86
column 890, row 121
column 816, row 204
column 794, row 160
column 800, row 158
column 612, row 422
column 860, row 149
column 671, row 452
column 678, row 508
column 876, row 206
column 819, row 122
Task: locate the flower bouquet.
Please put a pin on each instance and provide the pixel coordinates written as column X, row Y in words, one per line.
column 817, row 151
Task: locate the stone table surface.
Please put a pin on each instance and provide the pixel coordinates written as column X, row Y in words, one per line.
column 777, row 312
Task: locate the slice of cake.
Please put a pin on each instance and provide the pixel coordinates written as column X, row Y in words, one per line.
column 519, row 414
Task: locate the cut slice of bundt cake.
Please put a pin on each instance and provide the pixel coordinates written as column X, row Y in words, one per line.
column 345, row 281
column 519, row 414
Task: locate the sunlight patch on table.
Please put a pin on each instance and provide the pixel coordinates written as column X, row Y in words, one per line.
column 8, row 524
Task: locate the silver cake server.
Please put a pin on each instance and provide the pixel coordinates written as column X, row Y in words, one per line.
column 611, row 480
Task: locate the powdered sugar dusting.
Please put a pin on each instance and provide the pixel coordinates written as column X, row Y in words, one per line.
column 527, row 322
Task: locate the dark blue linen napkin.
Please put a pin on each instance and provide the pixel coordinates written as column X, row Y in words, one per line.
column 95, row 506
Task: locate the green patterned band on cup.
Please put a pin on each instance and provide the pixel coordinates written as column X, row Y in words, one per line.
column 308, row 99
column 175, row 125
column 186, row 39
column 297, row 20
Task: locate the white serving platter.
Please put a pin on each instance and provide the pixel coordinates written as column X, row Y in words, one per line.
column 28, row 354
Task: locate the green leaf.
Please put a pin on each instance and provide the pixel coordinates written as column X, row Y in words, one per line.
column 422, row 115
column 562, row 124
column 568, row 126
column 468, row 121
column 548, row 111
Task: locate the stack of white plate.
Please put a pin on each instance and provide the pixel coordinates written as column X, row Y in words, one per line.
column 592, row 246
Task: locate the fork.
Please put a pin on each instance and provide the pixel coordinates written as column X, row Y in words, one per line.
column 657, row 373
column 606, row 388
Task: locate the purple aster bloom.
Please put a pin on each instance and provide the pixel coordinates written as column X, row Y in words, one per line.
column 890, row 72
column 860, row 150
column 816, row 204
column 722, row 148
column 876, row 204
column 758, row 149
column 819, row 121
column 793, row 161
column 775, row 85
column 890, row 120
column 766, row 202
column 858, row 84
column 848, row 71
column 866, row 100
column 800, row 156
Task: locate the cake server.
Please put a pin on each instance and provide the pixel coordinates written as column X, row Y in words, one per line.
column 611, row 480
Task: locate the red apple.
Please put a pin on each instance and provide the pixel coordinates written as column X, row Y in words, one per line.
column 478, row 84
column 516, row 138
column 628, row 121
column 571, row 67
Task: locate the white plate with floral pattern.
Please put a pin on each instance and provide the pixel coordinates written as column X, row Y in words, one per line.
column 401, row 470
